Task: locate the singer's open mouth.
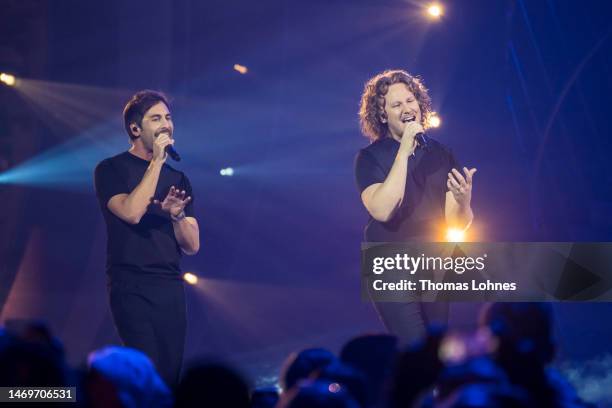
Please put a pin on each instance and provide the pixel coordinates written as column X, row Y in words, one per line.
column 408, row 119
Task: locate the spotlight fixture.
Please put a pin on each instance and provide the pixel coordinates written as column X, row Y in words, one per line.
column 8, row 79
column 455, row 235
column 228, row 171
column 190, row 278
column 434, row 121
column 241, row 68
column 435, row 11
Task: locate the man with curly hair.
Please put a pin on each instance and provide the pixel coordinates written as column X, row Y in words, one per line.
column 409, row 183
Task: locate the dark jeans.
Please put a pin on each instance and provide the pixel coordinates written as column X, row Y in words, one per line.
column 151, row 317
column 409, row 320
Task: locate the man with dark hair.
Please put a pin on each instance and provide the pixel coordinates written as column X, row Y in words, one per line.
column 410, row 187
column 147, row 234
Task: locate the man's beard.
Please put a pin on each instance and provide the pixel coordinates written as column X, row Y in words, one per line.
column 156, row 135
column 168, row 131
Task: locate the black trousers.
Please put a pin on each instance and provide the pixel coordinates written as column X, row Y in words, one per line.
column 151, row 317
column 404, row 314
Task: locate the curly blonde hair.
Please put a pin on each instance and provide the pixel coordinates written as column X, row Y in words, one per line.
column 372, row 106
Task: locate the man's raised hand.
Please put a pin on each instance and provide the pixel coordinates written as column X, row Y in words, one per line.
column 460, row 186
column 175, row 202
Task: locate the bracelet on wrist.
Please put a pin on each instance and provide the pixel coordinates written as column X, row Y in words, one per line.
column 178, row 217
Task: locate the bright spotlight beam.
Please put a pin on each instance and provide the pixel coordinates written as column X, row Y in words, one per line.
column 434, row 121
column 435, row 11
column 455, row 235
column 68, row 166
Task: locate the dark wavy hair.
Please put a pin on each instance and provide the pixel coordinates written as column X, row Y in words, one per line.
column 372, row 106
column 138, row 105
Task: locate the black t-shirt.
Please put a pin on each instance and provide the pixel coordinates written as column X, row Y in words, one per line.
column 421, row 214
column 148, row 249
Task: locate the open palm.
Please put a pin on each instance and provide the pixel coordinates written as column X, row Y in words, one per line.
column 175, row 201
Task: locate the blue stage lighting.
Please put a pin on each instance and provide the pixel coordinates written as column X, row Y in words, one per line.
column 228, row 171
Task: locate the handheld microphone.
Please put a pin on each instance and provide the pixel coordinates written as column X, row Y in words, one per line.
column 169, row 149
column 421, row 138
column 172, row 153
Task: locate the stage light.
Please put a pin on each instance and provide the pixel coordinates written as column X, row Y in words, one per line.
column 228, row 171
column 452, row 350
column 241, row 68
column 434, row 11
column 190, row 278
column 7, row 79
column 455, row 235
column 334, row 387
column 434, row 121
